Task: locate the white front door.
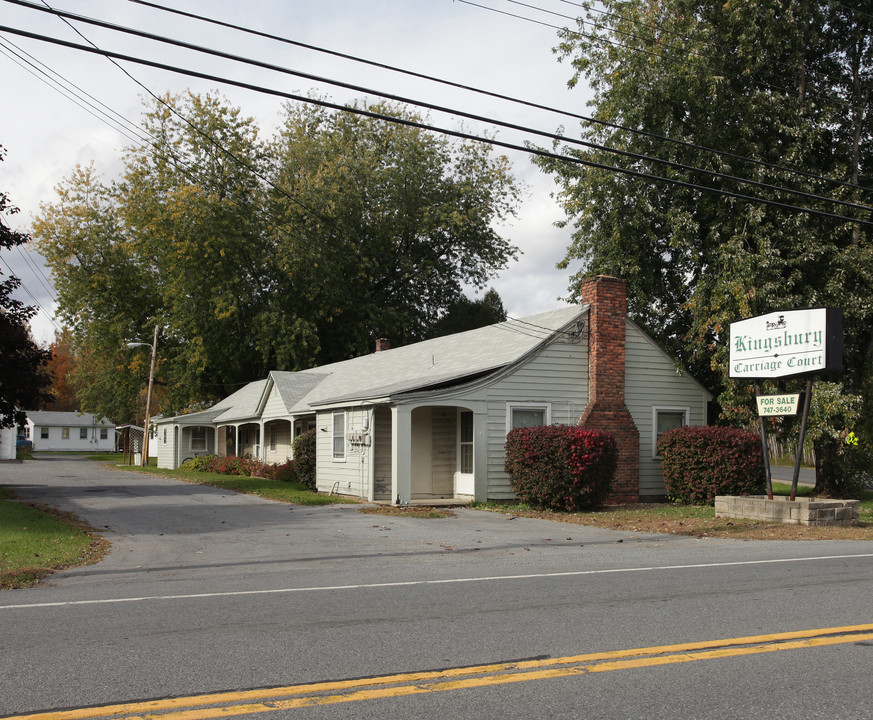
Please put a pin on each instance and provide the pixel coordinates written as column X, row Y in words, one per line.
column 465, row 484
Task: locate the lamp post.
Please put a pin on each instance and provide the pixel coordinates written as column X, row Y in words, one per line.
column 145, row 439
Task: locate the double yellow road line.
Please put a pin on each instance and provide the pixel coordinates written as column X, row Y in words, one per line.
column 252, row 702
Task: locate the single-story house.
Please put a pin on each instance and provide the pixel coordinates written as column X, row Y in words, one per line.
column 429, row 420
column 50, row 430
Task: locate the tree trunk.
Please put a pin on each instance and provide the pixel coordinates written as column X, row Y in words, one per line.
column 828, row 471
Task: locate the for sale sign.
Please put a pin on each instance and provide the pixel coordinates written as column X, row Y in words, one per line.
column 778, row 404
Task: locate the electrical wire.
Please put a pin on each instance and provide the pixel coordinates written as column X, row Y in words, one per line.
column 513, row 126
column 431, row 128
column 495, row 95
column 36, row 302
column 63, row 85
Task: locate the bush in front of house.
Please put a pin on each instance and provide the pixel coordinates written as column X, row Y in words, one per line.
column 228, row 465
column 287, row 472
column 561, row 467
column 702, row 462
column 304, row 458
column 200, row 463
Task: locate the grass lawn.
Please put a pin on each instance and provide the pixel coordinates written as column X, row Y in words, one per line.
column 289, row 492
column 700, row 521
column 35, row 542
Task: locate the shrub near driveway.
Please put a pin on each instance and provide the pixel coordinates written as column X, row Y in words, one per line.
column 702, row 462
column 561, row 467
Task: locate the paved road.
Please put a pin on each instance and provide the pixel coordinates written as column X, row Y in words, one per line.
column 209, row 592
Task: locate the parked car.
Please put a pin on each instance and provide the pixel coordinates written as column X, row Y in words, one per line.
column 23, row 442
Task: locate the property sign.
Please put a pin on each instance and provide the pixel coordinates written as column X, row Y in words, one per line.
column 778, row 404
column 786, row 343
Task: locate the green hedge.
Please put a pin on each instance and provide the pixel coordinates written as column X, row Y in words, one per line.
column 702, row 462
column 561, row 467
column 304, row 458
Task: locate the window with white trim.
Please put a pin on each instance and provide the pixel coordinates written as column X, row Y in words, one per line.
column 273, row 437
column 83, row 433
column 664, row 419
column 525, row 414
column 339, row 436
column 65, row 433
column 198, row 439
column 44, row 433
column 104, row 434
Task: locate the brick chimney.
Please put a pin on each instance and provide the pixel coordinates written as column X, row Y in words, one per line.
column 382, row 344
column 606, row 298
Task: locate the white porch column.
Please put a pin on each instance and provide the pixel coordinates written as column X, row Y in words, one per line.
column 214, row 450
column 261, row 441
column 480, row 455
column 401, row 454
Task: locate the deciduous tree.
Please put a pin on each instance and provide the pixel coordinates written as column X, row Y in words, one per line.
column 251, row 256
column 23, row 376
column 782, row 88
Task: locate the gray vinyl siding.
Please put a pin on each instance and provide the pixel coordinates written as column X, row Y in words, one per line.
column 351, row 475
column 557, row 375
column 652, row 379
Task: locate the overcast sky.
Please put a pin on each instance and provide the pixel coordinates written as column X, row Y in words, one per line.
column 46, row 134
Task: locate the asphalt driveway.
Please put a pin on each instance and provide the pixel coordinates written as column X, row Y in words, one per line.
column 183, row 537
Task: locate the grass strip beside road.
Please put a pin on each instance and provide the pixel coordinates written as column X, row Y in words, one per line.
column 700, row 520
column 37, row 541
column 288, row 492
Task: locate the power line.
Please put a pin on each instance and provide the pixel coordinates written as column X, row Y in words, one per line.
column 31, row 295
column 431, row 106
column 43, row 77
column 430, row 128
column 122, row 122
column 38, row 274
column 596, row 37
column 495, row 95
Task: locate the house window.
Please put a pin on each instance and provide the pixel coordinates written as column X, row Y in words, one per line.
column 664, row 419
column 44, row 433
column 83, row 433
column 339, row 436
column 466, row 441
column 165, row 436
column 27, row 432
column 65, row 433
column 519, row 415
column 198, row 439
column 104, row 434
column 273, row 437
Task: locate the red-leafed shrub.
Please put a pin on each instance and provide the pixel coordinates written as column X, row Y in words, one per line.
column 702, row 462
column 287, row 472
column 229, row 465
column 561, row 467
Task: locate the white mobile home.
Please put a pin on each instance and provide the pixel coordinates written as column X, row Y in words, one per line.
column 49, row 430
column 429, row 420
